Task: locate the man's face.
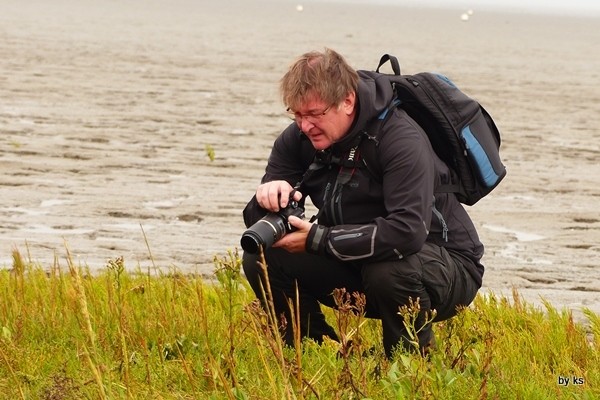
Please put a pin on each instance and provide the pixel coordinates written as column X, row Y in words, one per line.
column 324, row 124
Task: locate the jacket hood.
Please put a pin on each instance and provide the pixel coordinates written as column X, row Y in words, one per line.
column 374, row 94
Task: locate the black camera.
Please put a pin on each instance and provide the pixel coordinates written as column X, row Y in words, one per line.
column 270, row 228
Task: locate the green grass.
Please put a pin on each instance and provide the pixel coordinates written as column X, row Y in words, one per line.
column 127, row 334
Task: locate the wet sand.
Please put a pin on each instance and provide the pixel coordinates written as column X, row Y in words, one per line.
column 109, row 113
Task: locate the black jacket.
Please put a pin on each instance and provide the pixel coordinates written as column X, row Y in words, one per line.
column 389, row 207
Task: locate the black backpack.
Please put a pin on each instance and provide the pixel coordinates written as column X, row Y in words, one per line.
column 460, row 130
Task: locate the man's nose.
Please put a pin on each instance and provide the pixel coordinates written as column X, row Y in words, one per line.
column 305, row 125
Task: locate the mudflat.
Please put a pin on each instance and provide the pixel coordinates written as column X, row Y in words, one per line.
column 142, row 129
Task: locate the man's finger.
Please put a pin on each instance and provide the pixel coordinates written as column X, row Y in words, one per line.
column 297, row 195
column 297, row 222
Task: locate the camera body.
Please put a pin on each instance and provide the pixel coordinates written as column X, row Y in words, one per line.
column 270, row 228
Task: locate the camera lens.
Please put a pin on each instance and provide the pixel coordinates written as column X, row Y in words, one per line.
column 250, row 242
column 265, row 232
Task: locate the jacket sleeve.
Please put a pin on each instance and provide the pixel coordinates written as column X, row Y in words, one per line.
column 287, row 161
column 408, row 175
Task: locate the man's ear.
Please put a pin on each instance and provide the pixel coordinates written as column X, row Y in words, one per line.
column 349, row 103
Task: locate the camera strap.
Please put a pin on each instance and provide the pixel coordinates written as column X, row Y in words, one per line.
column 347, row 167
column 346, row 171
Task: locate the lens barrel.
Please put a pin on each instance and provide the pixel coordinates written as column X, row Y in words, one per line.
column 264, row 232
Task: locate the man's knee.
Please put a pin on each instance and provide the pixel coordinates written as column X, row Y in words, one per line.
column 272, row 267
column 252, row 270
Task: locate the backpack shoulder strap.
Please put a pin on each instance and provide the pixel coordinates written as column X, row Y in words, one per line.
column 370, row 158
column 369, row 146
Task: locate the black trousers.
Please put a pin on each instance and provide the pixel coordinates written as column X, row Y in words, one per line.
column 434, row 275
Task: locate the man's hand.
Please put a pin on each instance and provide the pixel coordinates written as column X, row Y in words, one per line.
column 275, row 195
column 295, row 242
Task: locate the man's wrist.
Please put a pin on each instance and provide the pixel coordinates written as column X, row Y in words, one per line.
column 316, row 239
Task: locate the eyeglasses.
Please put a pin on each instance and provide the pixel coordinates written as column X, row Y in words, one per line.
column 311, row 117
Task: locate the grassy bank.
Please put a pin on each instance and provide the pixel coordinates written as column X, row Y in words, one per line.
column 123, row 334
